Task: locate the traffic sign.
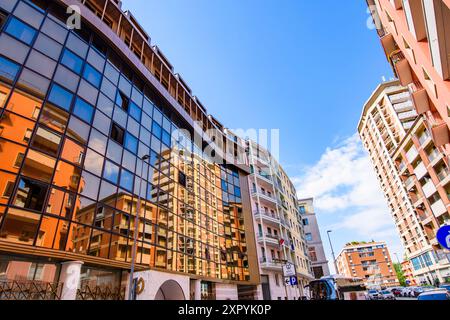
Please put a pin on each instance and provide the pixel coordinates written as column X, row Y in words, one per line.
column 288, row 270
column 291, row 281
column 443, row 236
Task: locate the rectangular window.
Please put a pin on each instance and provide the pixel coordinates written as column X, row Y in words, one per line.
column 135, row 111
column 111, row 172
column 122, row 100
column 30, row 195
column 117, row 134
column 131, row 143
column 8, row 69
column 308, row 237
column 27, row 135
column 2, row 19
column 127, row 180
column 83, row 110
column 19, row 160
column 46, row 141
column 92, row 76
column 72, row 61
column 60, row 97
column 8, row 189
column 156, row 130
column 21, row 31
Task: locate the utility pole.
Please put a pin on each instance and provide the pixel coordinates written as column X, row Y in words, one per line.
column 332, row 251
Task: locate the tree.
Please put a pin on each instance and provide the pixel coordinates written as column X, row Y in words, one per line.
column 400, row 275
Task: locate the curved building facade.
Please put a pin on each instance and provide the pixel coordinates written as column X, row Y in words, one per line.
column 99, row 156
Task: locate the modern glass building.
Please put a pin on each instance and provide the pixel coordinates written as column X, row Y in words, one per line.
column 90, row 131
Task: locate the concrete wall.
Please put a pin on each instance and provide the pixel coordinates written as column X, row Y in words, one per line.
column 155, row 279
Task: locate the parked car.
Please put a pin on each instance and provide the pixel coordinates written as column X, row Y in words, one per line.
column 387, row 295
column 436, row 294
column 445, row 286
column 397, row 292
column 374, row 295
column 406, row 292
column 416, row 291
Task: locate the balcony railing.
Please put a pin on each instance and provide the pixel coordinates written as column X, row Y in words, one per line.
column 433, row 155
column 424, row 137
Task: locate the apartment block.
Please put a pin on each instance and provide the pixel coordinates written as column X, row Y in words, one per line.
column 316, row 252
column 408, row 273
column 278, row 227
column 100, row 168
column 369, row 261
column 413, row 35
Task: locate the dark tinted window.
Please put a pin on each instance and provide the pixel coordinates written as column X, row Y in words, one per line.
column 122, row 100
column 30, row 195
column 117, row 133
column 92, row 75
column 83, row 110
column 8, row 69
column 60, row 97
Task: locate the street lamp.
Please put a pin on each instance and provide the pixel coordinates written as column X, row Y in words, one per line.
column 131, row 287
column 332, row 251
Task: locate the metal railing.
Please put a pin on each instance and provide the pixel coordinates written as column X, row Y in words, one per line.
column 91, row 292
column 29, row 290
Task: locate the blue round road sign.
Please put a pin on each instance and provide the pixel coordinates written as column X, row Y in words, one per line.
column 443, row 236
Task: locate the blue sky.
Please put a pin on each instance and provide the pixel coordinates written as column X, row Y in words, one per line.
column 304, row 67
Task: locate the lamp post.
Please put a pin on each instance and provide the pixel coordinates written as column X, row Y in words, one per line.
column 332, row 251
column 131, row 287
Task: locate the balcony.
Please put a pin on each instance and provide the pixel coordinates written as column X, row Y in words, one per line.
column 434, row 156
column 269, row 239
column 438, row 208
column 403, row 106
column 420, row 171
column 420, row 97
column 412, row 154
column 407, row 115
column 264, row 177
column 401, row 67
column 424, row 138
column 409, row 183
column 271, row 265
column 429, row 189
column 388, row 43
column 440, row 134
column 397, row 4
column 401, row 97
column 264, row 196
column 444, row 176
column 267, row 216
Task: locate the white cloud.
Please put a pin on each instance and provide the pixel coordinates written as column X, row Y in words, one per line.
column 347, row 194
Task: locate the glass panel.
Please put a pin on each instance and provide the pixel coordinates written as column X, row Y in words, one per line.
column 83, row 110
column 33, row 83
column 46, row 141
column 38, row 166
column 131, row 143
column 8, row 70
column 54, row 118
column 48, row 46
column 21, row 31
column 78, row 130
column 92, row 76
column 94, row 162
column 66, row 78
column 126, row 180
column 11, row 156
column 98, row 141
column 24, row 104
column 30, row 195
column 135, row 111
column 60, row 97
column 89, row 185
column 41, row 64
column 114, row 152
column 20, row 226
column 156, row 130
column 102, row 123
column 84, row 210
column 72, row 152
column 111, row 172
column 67, row 176
column 7, row 182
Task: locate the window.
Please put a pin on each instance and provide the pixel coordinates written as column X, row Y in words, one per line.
column 156, row 130
column 302, row 209
column 8, row 189
column 308, row 237
column 83, row 110
column 8, row 69
column 111, row 172
column 21, row 31
column 92, row 76
column 166, row 138
column 46, row 141
column 72, row 61
column 135, row 111
column 27, row 135
column 30, row 195
column 117, row 134
column 2, row 19
column 182, row 178
column 131, row 142
column 305, row 222
column 19, row 160
column 127, row 180
column 60, row 97
column 122, row 100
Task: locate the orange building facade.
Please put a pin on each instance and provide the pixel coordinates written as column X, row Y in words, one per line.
column 414, row 35
column 369, row 261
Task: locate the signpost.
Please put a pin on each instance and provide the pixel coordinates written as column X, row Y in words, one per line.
column 443, row 237
column 289, row 270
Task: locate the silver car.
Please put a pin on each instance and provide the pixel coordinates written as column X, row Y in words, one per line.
column 387, row 295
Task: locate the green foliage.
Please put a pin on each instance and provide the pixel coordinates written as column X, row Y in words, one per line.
column 400, row 275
